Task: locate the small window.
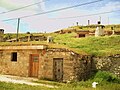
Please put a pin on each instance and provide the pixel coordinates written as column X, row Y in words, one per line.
column 14, row 56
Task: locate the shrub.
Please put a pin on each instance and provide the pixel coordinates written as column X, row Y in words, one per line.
column 102, row 76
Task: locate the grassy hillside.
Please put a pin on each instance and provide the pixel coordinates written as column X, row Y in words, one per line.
column 93, row 27
column 98, row 46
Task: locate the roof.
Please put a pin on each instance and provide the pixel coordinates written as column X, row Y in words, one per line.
column 23, row 47
column 10, row 40
column 82, row 32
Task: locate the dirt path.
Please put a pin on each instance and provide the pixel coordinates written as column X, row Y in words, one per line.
column 22, row 80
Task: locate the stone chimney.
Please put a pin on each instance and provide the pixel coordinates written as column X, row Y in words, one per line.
column 99, row 30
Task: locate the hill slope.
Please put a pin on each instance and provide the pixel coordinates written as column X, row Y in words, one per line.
column 100, row 46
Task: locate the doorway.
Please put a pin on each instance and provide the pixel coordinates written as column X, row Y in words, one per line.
column 58, row 69
column 34, row 65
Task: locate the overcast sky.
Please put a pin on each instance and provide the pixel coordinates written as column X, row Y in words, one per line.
column 52, row 21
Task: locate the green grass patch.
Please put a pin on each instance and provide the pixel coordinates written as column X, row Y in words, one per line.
column 48, row 82
column 11, row 86
column 103, row 76
column 106, row 81
column 93, row 27
column 98, row 46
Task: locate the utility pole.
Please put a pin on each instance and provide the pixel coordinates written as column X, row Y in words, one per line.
column 18, row 25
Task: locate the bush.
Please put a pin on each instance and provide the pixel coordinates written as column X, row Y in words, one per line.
column 102, row 76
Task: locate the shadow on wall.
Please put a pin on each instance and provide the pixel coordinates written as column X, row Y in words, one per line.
column 85, row 68
column 90, row 65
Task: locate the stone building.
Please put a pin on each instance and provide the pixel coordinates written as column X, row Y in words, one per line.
column 1, row 34
column 28, row 38
column 112, row 32
column 44, row 63
column 82, row 33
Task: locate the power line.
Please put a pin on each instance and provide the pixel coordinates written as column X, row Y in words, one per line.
column 23, row 7
column 81, row 15
column 56, row 10
column 88, row 15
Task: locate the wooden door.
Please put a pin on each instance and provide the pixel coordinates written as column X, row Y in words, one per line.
column 34, row 65
column 58, row 69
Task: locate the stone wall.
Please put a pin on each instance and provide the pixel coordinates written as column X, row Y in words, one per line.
column 19, row 67
column 110, row 64
column 83, row 67
column 75, row 66
column 67, row 63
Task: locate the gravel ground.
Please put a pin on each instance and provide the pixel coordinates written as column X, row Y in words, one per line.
column 22, row 80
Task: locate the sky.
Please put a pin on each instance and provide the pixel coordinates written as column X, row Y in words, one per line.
column 51, row 22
